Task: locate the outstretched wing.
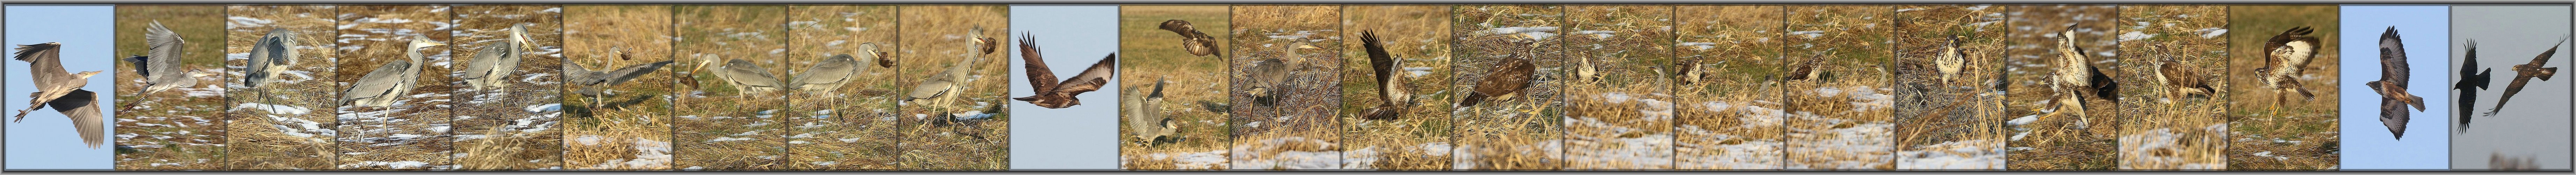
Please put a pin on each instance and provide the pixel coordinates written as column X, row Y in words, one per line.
column 1041, row 78
column 1383, row 63
column 1091, row 78
column 82, row 107
column 2392, row 58
column 630, row 72
column 165, row 45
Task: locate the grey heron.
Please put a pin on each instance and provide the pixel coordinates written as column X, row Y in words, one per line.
column 1270, row 75
column 1047, row 91
column 161, row 69
column 62, row 89
column 830, row 74
column 594, row 83
column 380, row 87
column 492, row 65
column 1146, row 122
column 272, row 54
column 747, row 77
column 941, row 90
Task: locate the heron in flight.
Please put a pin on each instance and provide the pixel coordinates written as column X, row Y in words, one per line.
column 493, row 64
column 61, row 89
column 380, row 87
column 160, row 69
column 1050, row 93
column 594, row 83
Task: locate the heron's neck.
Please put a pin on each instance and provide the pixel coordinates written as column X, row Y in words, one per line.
column 414, row 54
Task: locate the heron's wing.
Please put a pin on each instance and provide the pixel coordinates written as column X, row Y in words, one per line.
column 44, row 62
column 377, row 82
column 2392, row 58
column 486, row 60
column 82, row 107
column 621, row 75
column 279, row 45
column 1382, row 63
column 575, row 73
column 165, row 47
column 749, row 73
column 1040, row 77
column 833, row 70
column 1091, row 78
column 931, row 89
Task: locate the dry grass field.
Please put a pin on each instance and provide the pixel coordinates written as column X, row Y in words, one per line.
column 1418, row 138
column 1620, row 116
column 630, row 127
column 2300, row 134
column 410, row 133
column 2159, row 131
column 851, row 127
column 1296, row 130
column 723, row 126
column 1194, row 91
column 1949, row 121
column 1730, row 118
column 187, row 131
column 937, row 38
column 2071, row 140
column 1520, row 131
column 515, row 127
column 1841, row 117
column 275, row 126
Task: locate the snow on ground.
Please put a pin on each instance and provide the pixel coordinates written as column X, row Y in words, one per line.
column 1287, row 153
column 1367, row 157
column 649, row 154
column 1467, row 153
column 1954, row 155
column 2165, row 148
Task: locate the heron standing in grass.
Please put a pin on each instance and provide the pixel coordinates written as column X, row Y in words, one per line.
column 942, row 90
column 595, row 82
column 161, row 69
column 61, row 89
column 493, row 64
column 832, row 73
column 1270, row 75
column 272, row 54
column 380, row 87
column 747, row 77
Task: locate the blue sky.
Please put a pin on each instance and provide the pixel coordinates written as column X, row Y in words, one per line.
column 2425, row 31
column 46, row 140
column 1078, row 137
